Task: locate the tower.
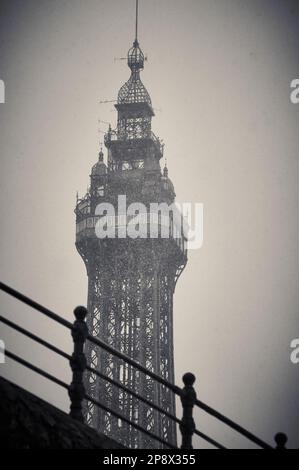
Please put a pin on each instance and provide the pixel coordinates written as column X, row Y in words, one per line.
column 131, row 280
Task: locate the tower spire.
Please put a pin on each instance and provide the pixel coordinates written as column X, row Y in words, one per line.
column 133, row 91
column 136, row 22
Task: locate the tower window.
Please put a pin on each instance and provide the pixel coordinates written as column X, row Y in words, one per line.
column 126, row 166
column 134, row 165
column 138, row 164
column 100, row 191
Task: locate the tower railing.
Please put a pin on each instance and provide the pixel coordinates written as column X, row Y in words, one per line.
column 77, row 392
column 115, row 136
column 86, row 226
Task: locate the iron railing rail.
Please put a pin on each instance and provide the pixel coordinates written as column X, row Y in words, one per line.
column 233, row 425
column 36, row 369
column 182, row 393
column 34, row 337
column 90, row 369
column 96, row 341
column 31, row 303
column 63, row 354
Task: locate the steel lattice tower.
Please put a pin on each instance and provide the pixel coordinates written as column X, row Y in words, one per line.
column 131, row 282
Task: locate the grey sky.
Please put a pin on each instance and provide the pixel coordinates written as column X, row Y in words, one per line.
column 219, row 74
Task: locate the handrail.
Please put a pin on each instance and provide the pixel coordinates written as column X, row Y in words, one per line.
column 90, row 369
column 32, row 336
column 104, row 377
column 91, row 338
column 26, row 300
column 232, row 425
column 36, row 369
column 209, row 440
column 175, row 389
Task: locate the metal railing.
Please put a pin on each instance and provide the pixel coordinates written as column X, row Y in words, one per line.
column 77, row 391
column 114, row 136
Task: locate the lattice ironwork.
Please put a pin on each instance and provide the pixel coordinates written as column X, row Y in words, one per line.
column 133, row 91
column 130, row 308
column 134, row 128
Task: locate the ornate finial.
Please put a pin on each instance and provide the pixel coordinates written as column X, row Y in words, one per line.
column 281, row 440
column 135, row 54
column 135, row 57
column 165, row 171
column 188, row 379
column 80, row 313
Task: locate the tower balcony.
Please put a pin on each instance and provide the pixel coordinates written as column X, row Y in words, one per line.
column 137, row 139
column 151, row 226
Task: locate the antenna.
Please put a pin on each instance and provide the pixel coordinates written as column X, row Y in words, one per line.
column 101, row 148
column 100, row 130
column 126, row 58
column 99, row 134
column 107, row 101
column 136, row 24
column 103, row 122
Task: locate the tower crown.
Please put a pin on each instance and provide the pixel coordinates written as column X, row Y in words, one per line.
column 134, row 115
column 132, row 144
column 133, row 91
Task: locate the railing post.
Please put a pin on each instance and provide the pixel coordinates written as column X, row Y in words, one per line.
column 281, row 439
column 78, row 364
column 188, row 397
